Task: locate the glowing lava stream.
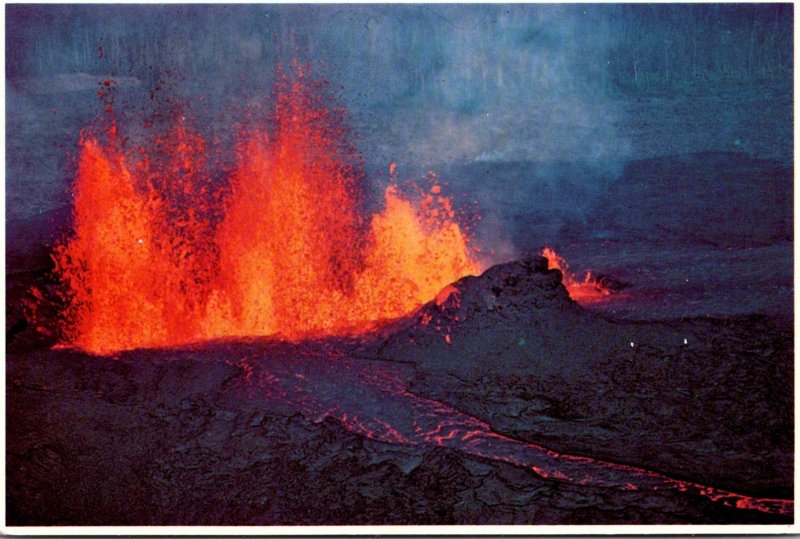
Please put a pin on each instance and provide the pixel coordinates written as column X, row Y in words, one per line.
column 584, row 292
column 372, row 401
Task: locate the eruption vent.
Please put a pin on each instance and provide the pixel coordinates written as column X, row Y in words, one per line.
column 584, row 291
column 162, row 255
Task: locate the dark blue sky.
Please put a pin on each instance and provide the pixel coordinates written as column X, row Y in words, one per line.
column 496, row 81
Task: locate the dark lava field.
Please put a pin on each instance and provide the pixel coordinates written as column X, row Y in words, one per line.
column 537, row 411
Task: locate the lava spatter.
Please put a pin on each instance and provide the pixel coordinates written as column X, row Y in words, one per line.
column 162, row 255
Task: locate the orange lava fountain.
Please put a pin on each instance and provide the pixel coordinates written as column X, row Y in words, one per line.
column 583, row 291
column 160, row 256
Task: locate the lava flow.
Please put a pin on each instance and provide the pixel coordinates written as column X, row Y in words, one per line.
column 371, row 399
column 162, row 255
column 584, row 291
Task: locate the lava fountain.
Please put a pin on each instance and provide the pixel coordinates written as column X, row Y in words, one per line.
column 162, row 255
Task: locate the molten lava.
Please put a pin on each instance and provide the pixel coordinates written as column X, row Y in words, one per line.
column 583, row 291
column 161, row 255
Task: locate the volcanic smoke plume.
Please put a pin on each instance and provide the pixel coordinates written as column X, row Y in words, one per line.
column 163, row 254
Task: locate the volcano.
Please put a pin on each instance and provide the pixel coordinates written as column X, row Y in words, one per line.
column 404, row 287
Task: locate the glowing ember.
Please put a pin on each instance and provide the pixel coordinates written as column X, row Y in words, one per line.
column 583, row 291
column 161, row 255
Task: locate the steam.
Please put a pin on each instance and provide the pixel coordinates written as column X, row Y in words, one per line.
column 466, row 83
column 426, row 86
column 433, row 83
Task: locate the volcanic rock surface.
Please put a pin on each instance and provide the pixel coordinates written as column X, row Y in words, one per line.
column 446, row 416
column 713, row 198
column 704, row 399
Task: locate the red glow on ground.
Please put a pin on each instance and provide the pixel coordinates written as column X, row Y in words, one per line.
column 161, row 255
column 377, row 404
column 584, row 291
